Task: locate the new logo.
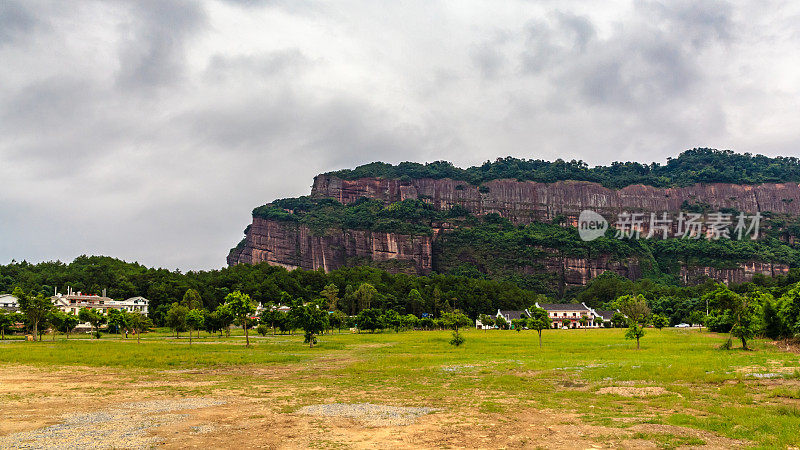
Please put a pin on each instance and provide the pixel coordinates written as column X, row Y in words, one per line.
column 591, row 225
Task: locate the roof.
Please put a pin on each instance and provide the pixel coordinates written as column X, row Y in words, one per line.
column 606, row 315
column 563, row 306
column 513, row 315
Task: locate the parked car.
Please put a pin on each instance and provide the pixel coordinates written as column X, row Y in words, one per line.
column 682, row 325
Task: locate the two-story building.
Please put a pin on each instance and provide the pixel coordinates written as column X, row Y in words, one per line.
column 572, row 313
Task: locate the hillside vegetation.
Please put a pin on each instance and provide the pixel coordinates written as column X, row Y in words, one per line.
column 700, row 165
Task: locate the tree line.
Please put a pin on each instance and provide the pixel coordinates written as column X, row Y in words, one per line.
column 699, row 165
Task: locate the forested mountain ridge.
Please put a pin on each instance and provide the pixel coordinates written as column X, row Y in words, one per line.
column 431, row 218
column 699, row 165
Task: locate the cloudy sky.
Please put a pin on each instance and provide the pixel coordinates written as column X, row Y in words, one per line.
column 148, row 130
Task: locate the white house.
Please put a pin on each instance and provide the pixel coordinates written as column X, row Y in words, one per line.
column 133, row 304
column 9, row 303
column 507, row 315
column 73, row 302
column 572, row 312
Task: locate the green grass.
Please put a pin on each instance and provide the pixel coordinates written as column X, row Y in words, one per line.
column 495, row 372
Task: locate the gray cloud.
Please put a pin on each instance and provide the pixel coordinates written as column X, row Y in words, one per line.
column 153, row 51
column 15, row 21
column 149, row 130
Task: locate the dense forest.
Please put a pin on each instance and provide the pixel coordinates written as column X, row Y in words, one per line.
column 700, row 165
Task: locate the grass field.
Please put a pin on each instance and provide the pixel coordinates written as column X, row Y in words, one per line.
column 583, row 388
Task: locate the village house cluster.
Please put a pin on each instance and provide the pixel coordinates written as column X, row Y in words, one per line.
column 73, row 302
column 561, row 315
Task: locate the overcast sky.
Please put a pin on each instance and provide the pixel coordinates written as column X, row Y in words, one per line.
column 148, row 130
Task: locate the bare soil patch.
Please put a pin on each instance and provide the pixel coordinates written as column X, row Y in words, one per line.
column 628, row 391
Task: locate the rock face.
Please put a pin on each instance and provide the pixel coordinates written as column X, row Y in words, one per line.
column 740, row 274
column 294, row 246
column 527, row 201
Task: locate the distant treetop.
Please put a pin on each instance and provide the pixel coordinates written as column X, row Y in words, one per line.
column 699, row 165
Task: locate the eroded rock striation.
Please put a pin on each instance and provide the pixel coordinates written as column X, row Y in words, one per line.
column 527, row 201
column 294, row 246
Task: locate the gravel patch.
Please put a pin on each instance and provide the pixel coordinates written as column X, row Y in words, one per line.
column 124, row 426
column 764, row 375
column 625, row 391
column 369, row 414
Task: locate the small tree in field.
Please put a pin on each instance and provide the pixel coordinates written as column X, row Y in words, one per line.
column 94, row 317
column 337, row 320
column 176, row 318
column 455, row 320
column 139, row 322
column 68, row 324
column 242, row 308
column 36, row 309
column 635, row 331
column 194, row 321
column 312, row 318
column 659, row 321
column 56, row 319
column 618, row 320
column 539, row 321
column 501, row 322
column 635, row 307
column 118, row 319
column 697, row 318
column 6, row 321
column 225, row 318
column 486, row 321
column 518, row 324
column 584, row 321
column 566, row 322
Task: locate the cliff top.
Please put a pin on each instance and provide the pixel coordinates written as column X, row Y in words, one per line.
column 700, row 165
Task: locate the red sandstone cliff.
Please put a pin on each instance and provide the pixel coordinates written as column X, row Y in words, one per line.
column 527, row 201
column 290, row 245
